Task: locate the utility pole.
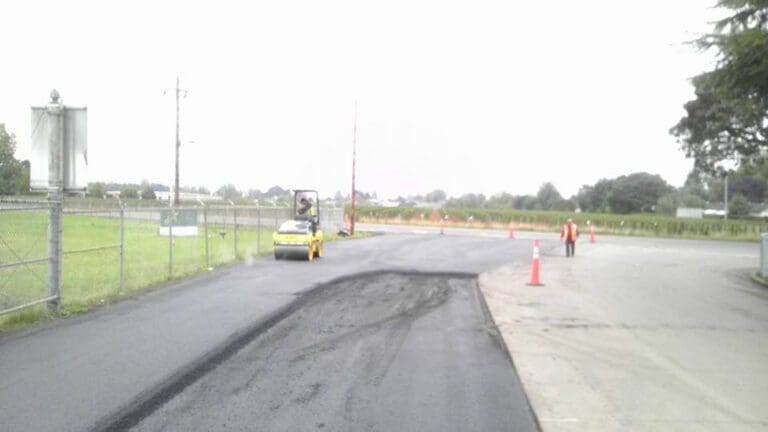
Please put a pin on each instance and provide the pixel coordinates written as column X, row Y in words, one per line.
column 726, row 196
column 178, row 144
column 354, row 149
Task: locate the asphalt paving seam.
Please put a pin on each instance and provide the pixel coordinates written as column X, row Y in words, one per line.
column 151, row 399
column 495, row 334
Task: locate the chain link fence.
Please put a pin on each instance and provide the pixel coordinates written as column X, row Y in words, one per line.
column 23, row 254
column 120, row 249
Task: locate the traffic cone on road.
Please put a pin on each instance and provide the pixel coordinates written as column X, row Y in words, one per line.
column 592, row 234
column 535, row 266
column 511, row 229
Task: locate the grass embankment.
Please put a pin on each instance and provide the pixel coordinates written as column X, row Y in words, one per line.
column 648, row 225
column 91, row 278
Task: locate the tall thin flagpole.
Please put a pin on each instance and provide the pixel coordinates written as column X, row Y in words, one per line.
column 178, row 144
column 354, row 150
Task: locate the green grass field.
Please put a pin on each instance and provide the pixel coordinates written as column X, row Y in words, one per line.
column 91, row 278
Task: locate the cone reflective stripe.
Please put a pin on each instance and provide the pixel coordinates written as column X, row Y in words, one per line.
column 592, row 234
column 511, row 230
column 535, row 265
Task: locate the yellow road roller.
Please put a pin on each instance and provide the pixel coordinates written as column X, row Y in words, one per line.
column 301, row 237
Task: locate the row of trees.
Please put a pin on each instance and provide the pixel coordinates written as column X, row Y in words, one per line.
column 633, row 193
column 147, row 190
column 547, row 198
column 638, row 192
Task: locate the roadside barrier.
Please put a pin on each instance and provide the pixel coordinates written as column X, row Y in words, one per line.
column 535, row 266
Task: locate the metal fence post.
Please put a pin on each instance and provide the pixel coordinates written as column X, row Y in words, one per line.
column 258, row 229
column 55, row 118
column 764, row 255
column 205, row 225
column 122, row 248
column 170, row 241
column 234, row 217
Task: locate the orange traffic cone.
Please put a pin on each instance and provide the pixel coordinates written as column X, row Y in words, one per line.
column 535, row 266
column 511, row 230
column 592, row 234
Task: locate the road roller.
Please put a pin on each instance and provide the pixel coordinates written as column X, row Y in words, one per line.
column 301, row 237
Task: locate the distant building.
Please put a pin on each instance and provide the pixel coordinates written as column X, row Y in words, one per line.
column 186, row 196
column 381, row 202
column 715, row 210
column 430, row 204
column 689, row 213
column 758, row 210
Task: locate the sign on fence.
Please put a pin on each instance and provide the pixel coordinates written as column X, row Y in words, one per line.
column 184, row 222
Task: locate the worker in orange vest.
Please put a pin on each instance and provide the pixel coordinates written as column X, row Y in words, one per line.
column 569, row 235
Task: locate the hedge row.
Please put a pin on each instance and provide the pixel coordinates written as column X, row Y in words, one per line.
column 634, row 224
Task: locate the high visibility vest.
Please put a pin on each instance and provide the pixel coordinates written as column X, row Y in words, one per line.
column 570, row 234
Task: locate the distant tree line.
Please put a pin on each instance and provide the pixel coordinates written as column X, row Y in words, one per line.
column 634, row 193
column 547, row 198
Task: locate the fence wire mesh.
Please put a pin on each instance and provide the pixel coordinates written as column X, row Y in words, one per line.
column 111, row 250
column 23, row 253
column 91, row 253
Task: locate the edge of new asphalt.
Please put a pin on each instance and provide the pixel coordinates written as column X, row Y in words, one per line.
column 495, row 332
column 151, row 399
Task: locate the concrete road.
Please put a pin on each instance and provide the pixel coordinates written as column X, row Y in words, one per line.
column 639, row 334
column 84, row 372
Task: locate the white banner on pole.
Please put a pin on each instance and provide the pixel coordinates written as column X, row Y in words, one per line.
column 39, row 160
column 74, row 152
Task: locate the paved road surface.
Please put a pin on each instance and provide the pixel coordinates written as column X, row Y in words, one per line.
column 74, row 374
column 390, row 352
column 643, row 331
column 639, row 334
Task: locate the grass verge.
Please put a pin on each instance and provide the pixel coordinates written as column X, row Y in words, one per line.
column 93, row 278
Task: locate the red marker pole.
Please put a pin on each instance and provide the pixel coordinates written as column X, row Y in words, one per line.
column 535, row 265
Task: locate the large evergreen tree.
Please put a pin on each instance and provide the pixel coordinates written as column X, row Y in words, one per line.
column 729, row 117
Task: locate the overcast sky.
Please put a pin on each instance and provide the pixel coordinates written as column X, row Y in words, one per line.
column 473, row 96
